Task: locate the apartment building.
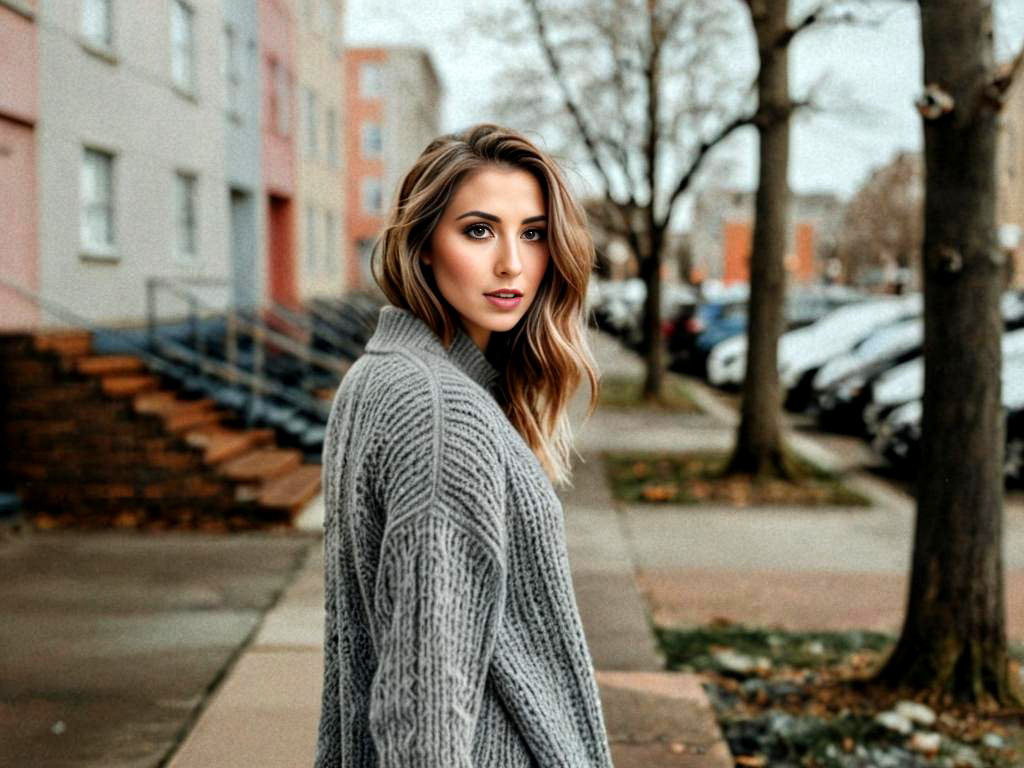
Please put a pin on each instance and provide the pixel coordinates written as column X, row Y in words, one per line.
column 278, row 151
column 320, row 144
column 722, row 234
column 19, row 250
column 393, row 100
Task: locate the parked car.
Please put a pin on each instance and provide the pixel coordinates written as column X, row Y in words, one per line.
column 905, row 382
column 803, row 351
column 840, row 386
column 898, row 436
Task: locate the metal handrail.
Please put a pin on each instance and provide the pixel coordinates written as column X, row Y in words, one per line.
column 259, row 384
column 253, row 328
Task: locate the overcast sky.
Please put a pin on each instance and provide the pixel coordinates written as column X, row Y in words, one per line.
column 879, row 67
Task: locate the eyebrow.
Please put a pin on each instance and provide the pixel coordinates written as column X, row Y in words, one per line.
column 492, row 217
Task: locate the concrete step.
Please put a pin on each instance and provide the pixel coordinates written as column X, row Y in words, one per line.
column 163, row 401
column 190, row 418
column 104, row 365
column 223, row 443
column 66, row 343
column 289, row 492
column 262, row 464
column 122, row 385
column 660, row 720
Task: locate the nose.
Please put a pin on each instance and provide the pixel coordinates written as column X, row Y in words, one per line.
column 509, row 262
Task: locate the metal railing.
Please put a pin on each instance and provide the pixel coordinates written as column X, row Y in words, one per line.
column 156, row 350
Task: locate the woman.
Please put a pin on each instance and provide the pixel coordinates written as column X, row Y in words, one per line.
column 453, row 638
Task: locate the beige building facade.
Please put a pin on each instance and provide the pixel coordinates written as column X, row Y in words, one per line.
column 320, row 144
column 1010, row 204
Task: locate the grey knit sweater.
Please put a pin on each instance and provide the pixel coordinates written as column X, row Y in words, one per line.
column 452, row 636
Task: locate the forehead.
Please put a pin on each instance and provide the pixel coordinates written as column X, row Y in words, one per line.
column 493, row 189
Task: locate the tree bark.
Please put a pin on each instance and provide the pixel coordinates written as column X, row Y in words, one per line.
column 759, row 436
column 953, row 640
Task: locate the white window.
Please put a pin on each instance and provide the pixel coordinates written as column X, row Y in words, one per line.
column 186, row 216
column 333, row 139
column 370, row 75
column 282, row 108
column 372, row 142
column 371, row 195
column 183, row 70
column 312, row 130
column 310, row 238
column 329, row 17
column 331, row 262
column 233, row 71
column 97, row 202
column 97, row 26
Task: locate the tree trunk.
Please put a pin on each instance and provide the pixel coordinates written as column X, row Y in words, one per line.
column 759, row 437
column 953, row 641
column 653, row 346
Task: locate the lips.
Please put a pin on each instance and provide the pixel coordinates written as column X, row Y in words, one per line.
column 513, row 292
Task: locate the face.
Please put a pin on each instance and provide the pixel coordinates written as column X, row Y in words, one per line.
column 492, row 237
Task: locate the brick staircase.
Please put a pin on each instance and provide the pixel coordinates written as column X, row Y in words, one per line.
column 95, row 441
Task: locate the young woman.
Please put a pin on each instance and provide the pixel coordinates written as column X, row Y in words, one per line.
column 453, row 638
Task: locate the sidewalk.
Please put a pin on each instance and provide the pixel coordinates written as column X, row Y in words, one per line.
column 795, row 568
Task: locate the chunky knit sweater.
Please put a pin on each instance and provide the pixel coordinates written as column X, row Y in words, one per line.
column 452, row 636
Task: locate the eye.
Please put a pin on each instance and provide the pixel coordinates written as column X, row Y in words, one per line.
column 477, row 228
column 540, row 234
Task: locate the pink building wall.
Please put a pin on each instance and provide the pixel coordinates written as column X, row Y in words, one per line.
column 277, row 35
column 19, row 249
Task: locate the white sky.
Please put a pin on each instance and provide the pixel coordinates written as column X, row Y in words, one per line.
column 879, row 68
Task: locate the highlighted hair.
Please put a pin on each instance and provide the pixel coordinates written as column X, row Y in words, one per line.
column 544, row 357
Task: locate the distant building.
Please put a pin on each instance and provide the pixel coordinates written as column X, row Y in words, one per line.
column 279, row 154
column 722, row 235
column 1010, row 204
column 132, row 160
column 242, row 148
column 320, row 143
column 19, row 114
column 393, row 98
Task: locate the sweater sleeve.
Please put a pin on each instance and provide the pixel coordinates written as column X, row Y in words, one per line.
column 439, row 593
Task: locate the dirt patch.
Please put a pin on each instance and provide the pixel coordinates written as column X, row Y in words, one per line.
column 624, row 392
column 697, row 478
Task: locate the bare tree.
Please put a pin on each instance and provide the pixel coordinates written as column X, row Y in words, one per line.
column 953, row 641
column 883, row 223
column 641, row 91
column 758, row 448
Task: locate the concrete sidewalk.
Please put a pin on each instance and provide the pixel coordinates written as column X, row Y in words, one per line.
column 794, row 568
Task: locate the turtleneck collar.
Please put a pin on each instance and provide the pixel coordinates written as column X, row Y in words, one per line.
column 398, row 328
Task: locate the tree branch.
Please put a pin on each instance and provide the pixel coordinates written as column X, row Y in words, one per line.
column 705, row 147
column 570, row 102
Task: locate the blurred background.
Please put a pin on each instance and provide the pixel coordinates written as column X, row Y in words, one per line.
column 190, row 191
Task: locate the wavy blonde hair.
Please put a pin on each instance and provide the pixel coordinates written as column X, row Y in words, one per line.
column 544, row 357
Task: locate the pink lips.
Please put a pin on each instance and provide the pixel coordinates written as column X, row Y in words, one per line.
column 503, row 303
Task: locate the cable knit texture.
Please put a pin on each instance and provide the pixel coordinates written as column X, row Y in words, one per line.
column 452, row 637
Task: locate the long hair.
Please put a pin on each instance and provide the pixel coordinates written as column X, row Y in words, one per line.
column 544, row 357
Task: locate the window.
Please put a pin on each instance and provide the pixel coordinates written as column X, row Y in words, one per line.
column 96, row 23
column 310, row 238
column 364, row 248
column 370, row 80
column 333, row 139
column 186, row 225
column 329, row 17
column 372, row 142
column 97, row 202
column 312, row 132
column 233, row 71
column 371, row 195
column 183, row 71
column 282, row 108
column 331, row 263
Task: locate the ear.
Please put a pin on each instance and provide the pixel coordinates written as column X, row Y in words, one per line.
column 425, row 256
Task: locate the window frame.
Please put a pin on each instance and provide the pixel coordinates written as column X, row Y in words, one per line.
column 186, row 181
column 187, row 11
column 89, row 247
